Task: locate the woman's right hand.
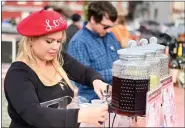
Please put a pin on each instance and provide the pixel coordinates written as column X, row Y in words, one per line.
column 93, row 114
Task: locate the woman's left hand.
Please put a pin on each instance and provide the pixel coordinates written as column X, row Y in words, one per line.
column 100, row 87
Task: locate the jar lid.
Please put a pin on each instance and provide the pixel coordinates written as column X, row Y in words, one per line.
column 153, row 47
column 154, row 44
column 148, row 51
column 132, row 44
column 131, row 52
column 157, row 46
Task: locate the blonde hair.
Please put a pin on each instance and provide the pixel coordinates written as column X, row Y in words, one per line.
column 25, row 52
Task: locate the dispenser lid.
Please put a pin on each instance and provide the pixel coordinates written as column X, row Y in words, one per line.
column 131, row 52
column 132, row 44
column 153, row 47
column 157, row 46
column 147, row 51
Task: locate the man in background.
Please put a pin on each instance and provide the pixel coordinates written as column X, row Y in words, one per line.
column 72, row 29
column 48, row 7
column 94, row 45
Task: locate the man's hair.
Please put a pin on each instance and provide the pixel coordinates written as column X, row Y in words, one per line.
column 98, row 9
column 75, row 17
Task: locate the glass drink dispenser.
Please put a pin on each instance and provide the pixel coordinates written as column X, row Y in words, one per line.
column 130, row 83
column 154, row 67
column 159, row 49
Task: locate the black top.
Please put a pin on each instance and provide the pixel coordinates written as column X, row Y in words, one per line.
column 24, row 92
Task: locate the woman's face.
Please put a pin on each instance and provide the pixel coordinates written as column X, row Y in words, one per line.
column 47, row 47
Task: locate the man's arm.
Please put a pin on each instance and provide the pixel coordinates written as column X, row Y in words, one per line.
column 107, row 75
column 79, row 51
column 78, row 72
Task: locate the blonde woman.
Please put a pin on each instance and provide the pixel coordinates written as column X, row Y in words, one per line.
column 37, row 76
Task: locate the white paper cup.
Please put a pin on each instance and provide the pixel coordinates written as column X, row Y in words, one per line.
column 96, row 101
column 84, row 104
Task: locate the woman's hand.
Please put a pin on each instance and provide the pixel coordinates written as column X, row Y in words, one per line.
column 100, row 87
column 93, row 114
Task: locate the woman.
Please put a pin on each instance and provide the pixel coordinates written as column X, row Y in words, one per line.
column 120, row 31
column 37, row 77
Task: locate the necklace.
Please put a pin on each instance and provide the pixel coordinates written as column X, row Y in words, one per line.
column 50, row 80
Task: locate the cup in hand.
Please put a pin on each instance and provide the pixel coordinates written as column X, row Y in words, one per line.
column 97, row 101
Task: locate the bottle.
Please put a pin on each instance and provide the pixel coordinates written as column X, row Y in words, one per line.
column 174, row 70
column 179, row 50
column 183, row 50
column 175, row 52
column 167, row 50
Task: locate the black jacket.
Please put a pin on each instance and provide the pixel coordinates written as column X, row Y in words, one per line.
column 70, row 32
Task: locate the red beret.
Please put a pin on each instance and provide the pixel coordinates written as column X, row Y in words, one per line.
column 41, row 23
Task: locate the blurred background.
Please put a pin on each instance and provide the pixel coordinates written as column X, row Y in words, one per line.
column 144, row 19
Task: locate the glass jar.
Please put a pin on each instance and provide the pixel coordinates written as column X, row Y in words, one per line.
column 130, row 83
column 154, row 67
column 164, row 60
